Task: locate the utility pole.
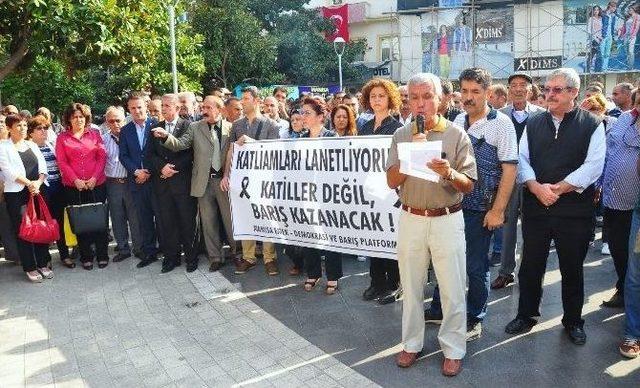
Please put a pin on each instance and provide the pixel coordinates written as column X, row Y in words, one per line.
column 172, row 33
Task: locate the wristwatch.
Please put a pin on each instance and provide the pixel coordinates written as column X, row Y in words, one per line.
column 451, row 177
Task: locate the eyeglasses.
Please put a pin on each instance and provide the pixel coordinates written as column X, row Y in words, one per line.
column 113, row 121
column 306, row 113
column 41, row 128
column 556, row 90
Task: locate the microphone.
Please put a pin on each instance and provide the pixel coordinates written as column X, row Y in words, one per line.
column 420, row 123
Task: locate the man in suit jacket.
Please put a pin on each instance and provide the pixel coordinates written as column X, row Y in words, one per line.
column 133, row 144
column 209, row 138
column 171, row 182
column 519, row 111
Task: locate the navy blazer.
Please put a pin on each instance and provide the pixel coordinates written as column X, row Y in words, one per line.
column 132, row 153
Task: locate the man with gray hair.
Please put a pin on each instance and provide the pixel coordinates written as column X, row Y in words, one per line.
column 561, row 156
column 188, row 106
column 431, row 227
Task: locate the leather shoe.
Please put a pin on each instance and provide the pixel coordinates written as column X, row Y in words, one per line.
column 121, row 256
column 215, row 266
column 616, row 301
column 390, row 296
column 146, row 261
column 520, row 325
column 192, row 266
column 576, row 334
column 168, row 265
column 406, row 359
column 501, row 281
column 371, row 293
column 451, row 367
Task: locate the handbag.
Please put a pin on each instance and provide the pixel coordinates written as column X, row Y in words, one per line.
column 44, row 230
column 70, row 238
column 88, row 217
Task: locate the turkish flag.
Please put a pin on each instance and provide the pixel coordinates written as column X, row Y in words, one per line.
column 340, row 18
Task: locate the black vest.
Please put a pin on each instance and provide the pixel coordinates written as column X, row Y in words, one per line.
column 552, row 159
column 519, row 126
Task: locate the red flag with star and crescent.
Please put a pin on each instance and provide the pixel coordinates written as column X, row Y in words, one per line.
column 340, row 18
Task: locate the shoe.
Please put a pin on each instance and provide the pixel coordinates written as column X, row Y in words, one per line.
column 88, row 265
column 371, row 293
column 192, row 266
column 495, row 259
column 34, row 276
column 501, row 282
column 294, row 271
column 430, row 317
column 271, row 268
column 168, row 265
column 576, row 334
column 243, row 266
column 146, row 261
column 616, row 301
column 630, row 347
column 361, row 259
column 520, row 325
column 331, row 289
column 103, row 263
column 138, row 254
column 215, row 266
column 68, row 262
column 451, row 367
column 474, row 331
column 390, row 296
column 121, row 256
column 406, row 359
column 605, row 249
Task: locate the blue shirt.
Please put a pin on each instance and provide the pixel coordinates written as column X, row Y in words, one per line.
column 620, row 183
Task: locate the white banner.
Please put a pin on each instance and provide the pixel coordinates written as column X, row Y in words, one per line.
column 325, row 193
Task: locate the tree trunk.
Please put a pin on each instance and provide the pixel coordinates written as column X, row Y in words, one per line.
column 16, row 57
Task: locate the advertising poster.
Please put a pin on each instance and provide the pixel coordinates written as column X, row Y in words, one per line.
column 602, row 36
column 494, row 40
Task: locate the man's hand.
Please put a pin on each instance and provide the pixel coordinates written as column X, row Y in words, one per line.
column 168, row 170
column 224, row 183
column 440, row 167
column 563, row 187
column 90, row 183
column 493, row 219
column 160, row 133
column 80, row 184
column 545, row 193
column 244, row 139
column 142, row 175
column 419, row 138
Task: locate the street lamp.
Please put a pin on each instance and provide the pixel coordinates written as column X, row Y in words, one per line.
column 338, row 46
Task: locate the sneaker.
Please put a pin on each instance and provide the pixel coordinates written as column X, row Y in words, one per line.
column 474, row 331
column 243, row 266
column 605, row 249
column 46, row 273
column 271, row 268
column 430, row 317
column 630, row 347
column 495, row 259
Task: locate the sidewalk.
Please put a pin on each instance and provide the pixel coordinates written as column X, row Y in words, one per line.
column 128, row 327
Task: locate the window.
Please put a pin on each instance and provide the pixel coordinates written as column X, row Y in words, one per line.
column 389, row 48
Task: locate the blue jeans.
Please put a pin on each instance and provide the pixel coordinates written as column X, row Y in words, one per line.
column 497, row 240
column 478, row 240
column 632, row 283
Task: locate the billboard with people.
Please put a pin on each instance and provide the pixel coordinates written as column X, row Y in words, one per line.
column 601, row 36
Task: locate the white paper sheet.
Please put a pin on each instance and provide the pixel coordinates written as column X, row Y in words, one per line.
column 414, row 157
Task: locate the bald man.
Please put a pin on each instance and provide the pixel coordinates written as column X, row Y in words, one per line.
column 271, row 107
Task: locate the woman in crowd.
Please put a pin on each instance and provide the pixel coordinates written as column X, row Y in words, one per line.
column 24, row 170
column 381, row 96
column 344, row 121
column 37, row 132
column 296, row 127
column 81, row 157
column 313, row 113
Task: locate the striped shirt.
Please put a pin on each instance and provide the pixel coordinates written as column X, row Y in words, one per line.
column 620, row 183
column 113, row 168
column 53, row 171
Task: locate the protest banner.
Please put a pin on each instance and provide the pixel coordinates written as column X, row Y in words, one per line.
column 325, row 193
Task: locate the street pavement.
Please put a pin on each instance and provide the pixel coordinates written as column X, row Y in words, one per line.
column 128, row 327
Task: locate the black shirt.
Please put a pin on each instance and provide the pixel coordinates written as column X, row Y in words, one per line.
column 387, row 127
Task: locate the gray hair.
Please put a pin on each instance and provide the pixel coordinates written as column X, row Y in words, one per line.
column 172, row 97
column 115, row 110
column 426, row 78
column 191, row 96
column 570, row 76
column 626, row 86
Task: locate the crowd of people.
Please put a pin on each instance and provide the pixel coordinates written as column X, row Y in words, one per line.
column 541, row 153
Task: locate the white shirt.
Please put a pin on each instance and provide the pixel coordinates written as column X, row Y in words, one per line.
column 171, row 125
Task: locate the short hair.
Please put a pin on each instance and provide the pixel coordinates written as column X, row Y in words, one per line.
column 216, row 100
column 634, row 94
column 352, row 129
column 114, row 109
column 280, row 89
column 626, row 86
column 13, row 118
column 500, row 90
column 597, row 83
column 43, row 111
column 230, row 100
column 172, row 96
column 7, row 111
column 35, row 122
column 593, row 89
column 426, row 78
column 251, row 89
column 478, row 75
column 349, row 96
column 189, row 95
column 570, row 76
column 447, row 86
column 136, row 96
column 318, row 106
column 390, row 88
column 77, row 107
column 26, row 114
